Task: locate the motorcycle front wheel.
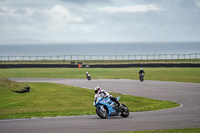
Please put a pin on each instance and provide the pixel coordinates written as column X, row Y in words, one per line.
column 141, row 78
column 124, row 111
column 101, row 113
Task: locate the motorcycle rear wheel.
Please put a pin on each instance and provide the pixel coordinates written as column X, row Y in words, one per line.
column 101, row 113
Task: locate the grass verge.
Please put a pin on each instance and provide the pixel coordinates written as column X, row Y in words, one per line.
column 48, row 99
column 160, row 74
column 186, row 130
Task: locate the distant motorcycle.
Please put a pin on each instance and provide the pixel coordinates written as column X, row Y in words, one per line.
column 105, row 108
column 141, row 77
column 89, row 77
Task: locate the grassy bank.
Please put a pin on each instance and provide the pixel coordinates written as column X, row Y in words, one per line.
column 7, row 85
column 48, row 99
column 160, row 74
column 186, row 130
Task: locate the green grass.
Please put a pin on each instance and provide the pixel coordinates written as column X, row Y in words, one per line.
column 48, row 99
column 8, row 85
column 186, row 130
column 160, row 74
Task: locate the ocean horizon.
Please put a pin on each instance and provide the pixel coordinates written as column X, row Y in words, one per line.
column 139, row 48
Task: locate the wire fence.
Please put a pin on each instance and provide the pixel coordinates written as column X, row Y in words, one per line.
column 102, row 57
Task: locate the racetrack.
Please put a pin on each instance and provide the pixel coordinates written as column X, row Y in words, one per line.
column 185, row 116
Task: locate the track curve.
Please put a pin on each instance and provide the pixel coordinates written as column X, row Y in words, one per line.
column 186, row 116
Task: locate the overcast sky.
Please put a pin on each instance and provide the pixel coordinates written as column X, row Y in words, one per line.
column 99, row 21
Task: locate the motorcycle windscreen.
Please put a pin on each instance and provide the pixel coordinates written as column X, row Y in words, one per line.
column 98, row 100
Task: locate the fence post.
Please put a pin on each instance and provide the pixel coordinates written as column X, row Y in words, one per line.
column 196, row 56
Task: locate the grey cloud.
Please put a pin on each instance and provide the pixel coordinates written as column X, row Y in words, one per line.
column 170, row 3
column 87, row 1
column 178, row 19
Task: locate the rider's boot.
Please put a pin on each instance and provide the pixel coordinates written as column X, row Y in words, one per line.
column 120, row 106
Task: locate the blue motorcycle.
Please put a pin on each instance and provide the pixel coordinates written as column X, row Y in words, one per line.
column 105, row 108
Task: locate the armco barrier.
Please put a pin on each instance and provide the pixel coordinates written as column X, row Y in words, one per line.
column 145, row 65
column 98, row 66
column 37, row 66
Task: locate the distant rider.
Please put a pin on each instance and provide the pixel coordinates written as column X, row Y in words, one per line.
column 102, row 93
column 141, row 74
column 141, row 71
column 88, row 76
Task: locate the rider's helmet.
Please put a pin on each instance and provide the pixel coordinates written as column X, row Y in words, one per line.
column 86, row 72
column 141, row 69
column 97, row 90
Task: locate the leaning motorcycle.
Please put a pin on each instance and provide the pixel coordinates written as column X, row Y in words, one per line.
column 105, row 108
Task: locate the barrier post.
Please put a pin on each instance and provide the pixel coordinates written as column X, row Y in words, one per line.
column 79, row 65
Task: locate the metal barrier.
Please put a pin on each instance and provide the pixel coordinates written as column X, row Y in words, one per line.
column 101, row 57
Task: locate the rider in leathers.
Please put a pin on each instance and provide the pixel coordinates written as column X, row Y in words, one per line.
column 102, row 93
column 141, row 71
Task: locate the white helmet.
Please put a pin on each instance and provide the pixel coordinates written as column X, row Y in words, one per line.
column 97, row 90
column 141, row 69
column 86, row 72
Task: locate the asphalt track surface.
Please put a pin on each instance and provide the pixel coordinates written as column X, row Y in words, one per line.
column 185, row 116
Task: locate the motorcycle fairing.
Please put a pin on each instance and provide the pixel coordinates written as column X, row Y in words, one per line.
column 101, row 102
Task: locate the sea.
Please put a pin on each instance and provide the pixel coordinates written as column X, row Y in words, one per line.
column 140, row 48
